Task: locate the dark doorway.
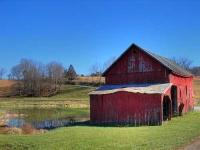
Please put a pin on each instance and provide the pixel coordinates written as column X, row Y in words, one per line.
column 166, row 108
column 174, row 100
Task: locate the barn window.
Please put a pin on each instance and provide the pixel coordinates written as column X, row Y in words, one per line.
column 134, row 52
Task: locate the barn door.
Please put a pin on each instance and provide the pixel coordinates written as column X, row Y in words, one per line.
column 166, row 108
column 174, row 100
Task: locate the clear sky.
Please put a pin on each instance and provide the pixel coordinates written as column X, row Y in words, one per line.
column 83, row 32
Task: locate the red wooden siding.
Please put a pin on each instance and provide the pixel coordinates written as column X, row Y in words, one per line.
column 184, row 91
column 124, row 108
column 137, row 67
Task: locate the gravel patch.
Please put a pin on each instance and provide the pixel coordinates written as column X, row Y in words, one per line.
column 196, row 108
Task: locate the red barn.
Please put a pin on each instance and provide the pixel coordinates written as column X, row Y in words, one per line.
column 141, row 88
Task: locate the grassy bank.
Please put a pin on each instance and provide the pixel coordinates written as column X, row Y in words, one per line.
column 171, row 135
column 67, row 92
column 75, row 92
column 70, row 96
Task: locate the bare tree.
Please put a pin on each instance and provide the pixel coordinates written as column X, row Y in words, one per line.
column 16, row 72
column 2, row 72
column 195, row 70
column 31, row 77
column 9, row 77
column 55, row 72
column 37, row 79
column 109, row 62
column 183, row 62
column 59, row 73
column 97, row 69
column 28, row 69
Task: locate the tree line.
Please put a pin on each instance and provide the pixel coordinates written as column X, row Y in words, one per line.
column 2, row 72
column 36, row 79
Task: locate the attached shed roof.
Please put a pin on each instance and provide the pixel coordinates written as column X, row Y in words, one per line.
column 171, row 65
column 133, row 88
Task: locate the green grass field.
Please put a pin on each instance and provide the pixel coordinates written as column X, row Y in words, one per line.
column 171, row 135
column 75, row 92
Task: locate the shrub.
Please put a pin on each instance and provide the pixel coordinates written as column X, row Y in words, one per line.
column 14, row 130
column 28, row 129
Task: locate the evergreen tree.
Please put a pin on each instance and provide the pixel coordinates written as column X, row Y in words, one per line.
column 71, row 74
column 65, row 73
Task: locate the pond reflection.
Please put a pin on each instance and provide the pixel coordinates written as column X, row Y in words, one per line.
column 44, row 118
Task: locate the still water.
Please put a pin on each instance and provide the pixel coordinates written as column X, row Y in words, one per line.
column 44, row 118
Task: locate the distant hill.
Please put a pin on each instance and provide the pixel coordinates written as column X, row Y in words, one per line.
column 6, row 87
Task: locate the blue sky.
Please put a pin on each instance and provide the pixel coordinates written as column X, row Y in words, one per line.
column 83, row 32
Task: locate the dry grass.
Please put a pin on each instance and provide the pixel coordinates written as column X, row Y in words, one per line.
column 91, row 79
column 197, row 90
column 88, row 81
column 26, row 129
column 14, row 130
column 6, row 87
column 7, row 83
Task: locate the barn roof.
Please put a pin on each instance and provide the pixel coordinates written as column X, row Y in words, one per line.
column 171, row 65
column 133, row 88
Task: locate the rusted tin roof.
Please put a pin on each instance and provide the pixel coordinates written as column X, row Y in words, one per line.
column 171, row 65
column 133, row 88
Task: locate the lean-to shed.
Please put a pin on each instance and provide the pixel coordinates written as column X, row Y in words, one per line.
column 141, row 88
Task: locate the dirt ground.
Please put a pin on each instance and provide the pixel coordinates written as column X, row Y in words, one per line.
column 194, row 145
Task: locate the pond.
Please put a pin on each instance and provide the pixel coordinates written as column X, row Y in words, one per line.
column 40, row 118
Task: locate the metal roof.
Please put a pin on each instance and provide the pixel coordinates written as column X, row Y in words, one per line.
column 133, row 88
column 171, row 65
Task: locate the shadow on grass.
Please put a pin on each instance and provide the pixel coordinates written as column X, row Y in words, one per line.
column 82, row 123
column 87, row 124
